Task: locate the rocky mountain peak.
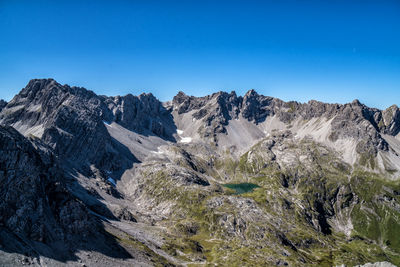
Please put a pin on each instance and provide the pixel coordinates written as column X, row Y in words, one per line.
column 390, row 121
column 180, row 98
column 280, row 179
column 68, row 119
column 251, row 93
column 30, row 91
column 53, row 112
column 256, row 107
column 144, row 114
column 356, row 102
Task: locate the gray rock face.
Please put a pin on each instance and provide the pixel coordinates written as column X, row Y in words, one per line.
column 215, row 110
column 356, row 121
column 187, row 103
column 71, row 119
column 42, row 98
column 71, row 122
column 34, row 203
column 219, row 115
column 143, row 114
column 389, row 120
column 255, row 107
column 39, row 216
column 353, row 120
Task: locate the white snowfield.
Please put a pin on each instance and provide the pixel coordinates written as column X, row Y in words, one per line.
column 186, row 140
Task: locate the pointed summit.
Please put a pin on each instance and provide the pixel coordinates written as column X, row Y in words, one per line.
column 36, row 85
column 356, row 102
column 251, row 93
column 180, row 98
column 393, row 107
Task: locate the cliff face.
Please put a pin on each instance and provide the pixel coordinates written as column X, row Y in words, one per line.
column 143, row 114
column 35, row 205
column 69, row 120
column 354, row 120
column 205, row 180
column 72, row 120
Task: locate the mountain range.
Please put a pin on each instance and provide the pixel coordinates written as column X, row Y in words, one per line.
column 93, row 180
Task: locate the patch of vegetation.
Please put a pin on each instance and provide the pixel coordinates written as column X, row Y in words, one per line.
column 367, row 160
column 292, row 107
column 130, row 243
column 292, row 198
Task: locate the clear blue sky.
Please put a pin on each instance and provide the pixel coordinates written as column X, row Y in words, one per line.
column 294, row 50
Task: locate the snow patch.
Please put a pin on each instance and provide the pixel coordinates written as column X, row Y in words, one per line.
column 186, row 140
column 183, row 139
column 107, row 123
column 159, row 152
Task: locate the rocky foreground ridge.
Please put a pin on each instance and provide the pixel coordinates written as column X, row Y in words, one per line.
column 216, row 180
